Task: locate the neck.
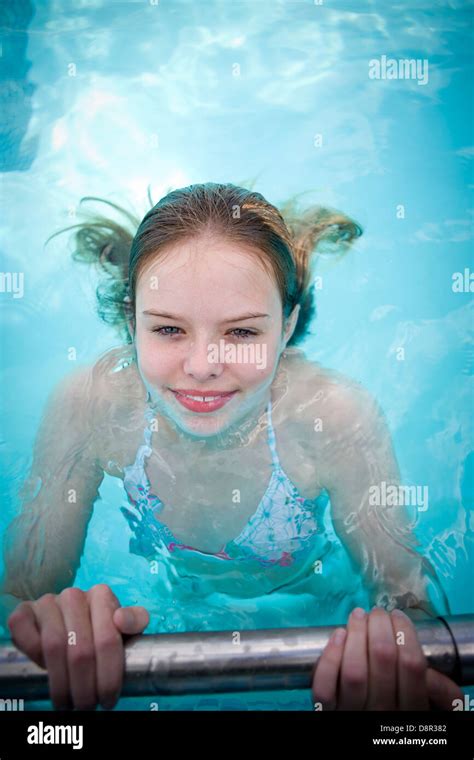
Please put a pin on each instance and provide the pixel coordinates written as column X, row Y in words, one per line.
column 241, row 433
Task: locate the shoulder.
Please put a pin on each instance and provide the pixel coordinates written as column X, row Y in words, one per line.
column 119, row 401
column 116, row 380
column 105, row 380
column 337, row 417
column 103, row 399
column 323, row 393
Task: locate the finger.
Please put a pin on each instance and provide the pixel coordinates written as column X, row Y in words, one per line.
column 25, row 632
column 442, row 691
column 382, row 694
column 355, row 667
column 324, row 684
column 80, row 648
column 108, row 644
column 411, row 665
column 131, row 620
column 53, row 643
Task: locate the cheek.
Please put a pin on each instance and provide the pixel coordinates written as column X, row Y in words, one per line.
column 154, row 361
column 251, row 375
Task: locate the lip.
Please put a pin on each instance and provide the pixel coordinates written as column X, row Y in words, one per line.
column 220, row 399
column 202, row 392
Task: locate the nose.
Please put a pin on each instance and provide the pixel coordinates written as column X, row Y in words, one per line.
column 197, row 363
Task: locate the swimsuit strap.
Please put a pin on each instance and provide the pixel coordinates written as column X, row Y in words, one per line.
column 272, row 439
column 147, row 448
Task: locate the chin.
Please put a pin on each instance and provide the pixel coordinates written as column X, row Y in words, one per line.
column 204, row 428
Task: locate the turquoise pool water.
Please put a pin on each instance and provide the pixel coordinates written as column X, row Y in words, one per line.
column 108, row 98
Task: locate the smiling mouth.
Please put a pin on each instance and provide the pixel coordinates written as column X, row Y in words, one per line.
column 207, row 401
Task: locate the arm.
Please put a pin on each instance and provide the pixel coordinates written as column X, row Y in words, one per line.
column 374, row 529
column 44, row 543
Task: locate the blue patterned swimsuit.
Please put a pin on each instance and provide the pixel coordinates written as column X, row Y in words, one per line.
column 280, row 527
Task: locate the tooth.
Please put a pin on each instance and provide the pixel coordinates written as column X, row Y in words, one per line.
column 200, row 398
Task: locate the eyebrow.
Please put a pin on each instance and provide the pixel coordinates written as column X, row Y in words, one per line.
column 241, row 318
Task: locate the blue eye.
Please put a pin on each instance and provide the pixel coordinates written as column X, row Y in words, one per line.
column 166, row 327
column 247, row 333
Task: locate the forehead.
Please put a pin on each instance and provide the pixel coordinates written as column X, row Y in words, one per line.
column 208, row 269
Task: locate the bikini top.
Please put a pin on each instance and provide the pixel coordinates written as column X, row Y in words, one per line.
column 281, row 526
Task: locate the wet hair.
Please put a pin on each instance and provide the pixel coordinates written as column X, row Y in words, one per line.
column 283, row 240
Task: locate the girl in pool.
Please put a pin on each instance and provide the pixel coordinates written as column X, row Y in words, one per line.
column 211, row 406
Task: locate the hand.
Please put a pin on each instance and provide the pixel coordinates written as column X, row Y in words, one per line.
column 369, row 670
column 85, row 668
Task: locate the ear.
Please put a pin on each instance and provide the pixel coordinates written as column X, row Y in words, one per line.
column 291, row 323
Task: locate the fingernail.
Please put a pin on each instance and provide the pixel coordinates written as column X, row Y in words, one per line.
column 359, row 613
column 128, row 617
column 338, row 636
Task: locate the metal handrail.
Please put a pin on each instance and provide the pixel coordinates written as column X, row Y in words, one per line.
column 232, row 661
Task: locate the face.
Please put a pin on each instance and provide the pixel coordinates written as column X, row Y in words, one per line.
column 208, row 325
